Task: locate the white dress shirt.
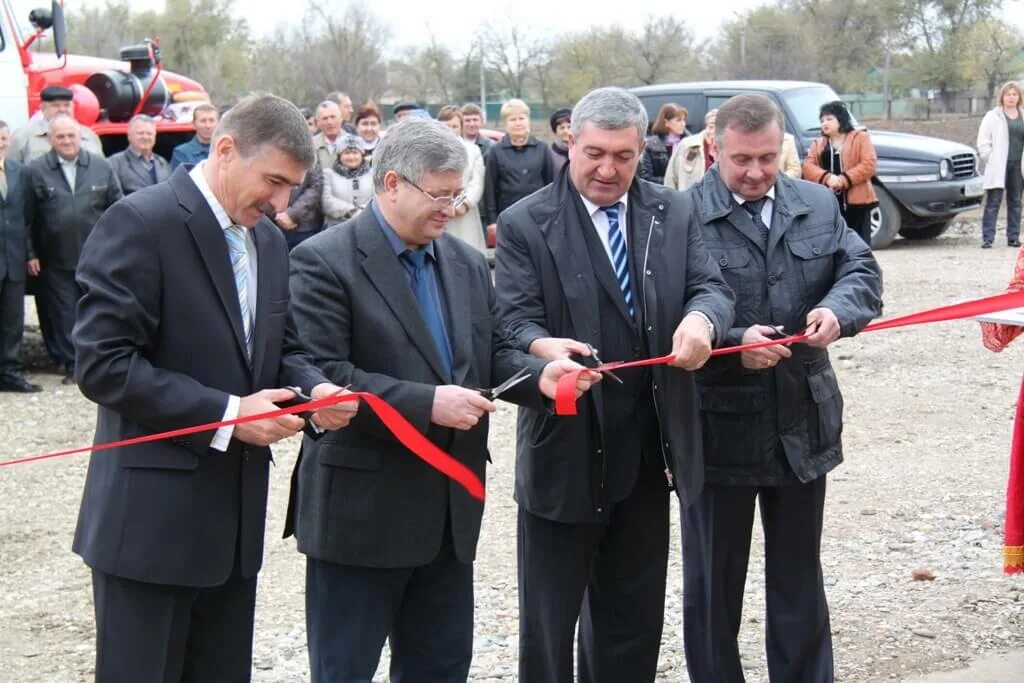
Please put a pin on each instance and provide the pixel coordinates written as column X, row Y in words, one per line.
column 766, row 208
column 600, row 220
column 70, row 169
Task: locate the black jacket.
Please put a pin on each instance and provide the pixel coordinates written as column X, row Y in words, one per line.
column 15, row 221
column 780, row 425
column 64, row 217
column 654, row 161
column 513, row 173
column 304, row 204
column 546, row 288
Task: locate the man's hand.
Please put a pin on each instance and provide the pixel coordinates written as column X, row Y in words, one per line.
column 691, row 343
column 458, row 407
column 336, row 416
column 769, row 356
column 32, row 267
column 557, row 348
column 554, row 371
column 285, row 221
column 265, row 432
column 823, row 328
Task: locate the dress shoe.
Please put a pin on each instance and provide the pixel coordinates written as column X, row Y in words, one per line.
column 1013, row 243
column 69, row 379
column 19, row 385
column 986, row 245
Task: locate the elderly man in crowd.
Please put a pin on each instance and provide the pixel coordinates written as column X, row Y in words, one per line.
column 138, row 166
column 771, row 417
column 204, row 118
column 390, row 304
column 345, row 105
column 32, row 140
column 328, row 120
column 601, row 259
column 71, row 189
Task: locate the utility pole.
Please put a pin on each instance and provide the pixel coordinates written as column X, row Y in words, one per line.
column 483, row 80
column 743, row 47
column 886, row 94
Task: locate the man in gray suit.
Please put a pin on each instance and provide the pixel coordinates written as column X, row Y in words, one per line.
column 138, row 166
column 390, row 304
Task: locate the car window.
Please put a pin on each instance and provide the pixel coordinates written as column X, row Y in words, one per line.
column 694, row 103
column 802, row 105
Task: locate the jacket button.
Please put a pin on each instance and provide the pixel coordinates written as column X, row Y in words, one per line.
column 600, row 509
column 772, row 279
column 816, row 250
column 661, row 206
column 650, row 328
column 723, row 262
column 650, row 273
column 599, row 451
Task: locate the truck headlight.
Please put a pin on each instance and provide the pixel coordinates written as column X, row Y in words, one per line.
column 945, row 170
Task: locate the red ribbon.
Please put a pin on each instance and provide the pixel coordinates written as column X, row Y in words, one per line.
column 402, row 429
column 565, row 396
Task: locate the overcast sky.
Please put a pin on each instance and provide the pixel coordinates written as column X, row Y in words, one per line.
column 453, row 22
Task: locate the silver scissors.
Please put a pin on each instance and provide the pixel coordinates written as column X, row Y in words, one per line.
column 493, row 394
column 597, row 359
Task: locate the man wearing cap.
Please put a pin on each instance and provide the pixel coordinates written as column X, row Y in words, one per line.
column 403, row 109
column 31, row 141
column 138, row 167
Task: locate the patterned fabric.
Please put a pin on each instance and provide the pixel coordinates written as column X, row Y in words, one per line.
column 754, row 209
column 235, row 236
column 620, row 260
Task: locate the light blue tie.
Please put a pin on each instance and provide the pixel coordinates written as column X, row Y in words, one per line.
column 235, row 235
column 620, row 260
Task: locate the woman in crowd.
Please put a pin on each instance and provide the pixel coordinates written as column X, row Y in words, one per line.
column 466, row 224
column 367, row 124
column 667, row 131
column 560, row 123
column 516, row 166
column 348, row 186
column 692, row 156
column 1000, row 143
column 844, row 160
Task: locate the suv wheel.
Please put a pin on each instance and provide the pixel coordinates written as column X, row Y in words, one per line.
column 886, row 220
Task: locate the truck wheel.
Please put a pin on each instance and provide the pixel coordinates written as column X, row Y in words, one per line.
column 926, row 232
column 886, row 220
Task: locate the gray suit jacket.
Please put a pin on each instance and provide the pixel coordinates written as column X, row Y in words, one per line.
column 358, row 496
column 132, row 174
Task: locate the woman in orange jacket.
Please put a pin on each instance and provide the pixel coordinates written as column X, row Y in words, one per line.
column 844, row 160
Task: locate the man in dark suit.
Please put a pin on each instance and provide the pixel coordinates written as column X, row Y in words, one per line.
column 184, row 311
column 139, row 166
column 772, row 417
column 15, row 250
column 601, row 258
column 390, row 304
column 72, row 188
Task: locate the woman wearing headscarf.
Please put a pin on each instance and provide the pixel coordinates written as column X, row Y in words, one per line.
column 560, row 124
column 844, row 160
column 348, row 185
column 466, row 223
column 1000, row 143
column 668, row 129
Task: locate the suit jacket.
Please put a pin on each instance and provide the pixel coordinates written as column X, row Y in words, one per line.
column 132, row 174
column 15, row 221
column 358, row 496
column 546, row 288
column 64, row 216
column 159, row 345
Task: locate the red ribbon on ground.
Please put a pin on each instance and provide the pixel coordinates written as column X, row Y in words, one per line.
column 402, row 429
column 565, row 396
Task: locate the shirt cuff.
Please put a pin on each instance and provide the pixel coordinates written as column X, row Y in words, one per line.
column 222, row 437
column 711, row 325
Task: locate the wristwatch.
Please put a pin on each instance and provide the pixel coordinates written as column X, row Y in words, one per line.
column 711, row 325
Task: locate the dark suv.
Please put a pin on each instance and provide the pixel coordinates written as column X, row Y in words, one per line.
column 922, row 182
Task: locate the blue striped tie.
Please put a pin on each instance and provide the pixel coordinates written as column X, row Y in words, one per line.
column 620, row 260
column 235, row 235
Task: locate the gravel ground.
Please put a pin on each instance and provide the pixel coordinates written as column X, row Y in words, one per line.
column 928, row 422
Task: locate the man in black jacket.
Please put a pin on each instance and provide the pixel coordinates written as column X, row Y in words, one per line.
column 304, row 216
column 771, row 417
column 71, row 188
column 601, row 258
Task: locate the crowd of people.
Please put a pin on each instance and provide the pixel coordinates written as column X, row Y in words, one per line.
column 195, row 290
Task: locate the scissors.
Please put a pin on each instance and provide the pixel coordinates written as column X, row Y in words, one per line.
column 493, row 394
column 597, row 359
column 301, row 398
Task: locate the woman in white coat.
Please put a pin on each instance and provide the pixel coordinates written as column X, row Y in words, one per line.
column 466, row 225
column 1000, row 145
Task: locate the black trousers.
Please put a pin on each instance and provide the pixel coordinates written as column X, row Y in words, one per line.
column 716, row 548
column 167, row 634
column 426, row 613
column 1012, row 189
column 59, row 294
column 12, row 327
column 610, row 577
column 858, row 217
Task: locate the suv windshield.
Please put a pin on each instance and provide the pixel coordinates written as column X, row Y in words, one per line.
column 803, row 105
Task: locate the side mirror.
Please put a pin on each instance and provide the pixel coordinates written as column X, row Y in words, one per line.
column 59, row 30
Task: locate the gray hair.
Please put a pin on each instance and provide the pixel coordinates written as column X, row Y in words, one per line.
column 414, row 147
column 610, row 109
column 748, row 113
column 142, row 118
column 327, row 104
column 260, row 121
column 62, row 116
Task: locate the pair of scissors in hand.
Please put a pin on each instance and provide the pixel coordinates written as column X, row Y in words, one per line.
column 597, row 359
column 493, row 394
column 302, row 398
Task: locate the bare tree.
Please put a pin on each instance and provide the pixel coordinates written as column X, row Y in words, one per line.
column 512, row 52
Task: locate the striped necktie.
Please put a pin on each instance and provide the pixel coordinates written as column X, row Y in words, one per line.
column 235, row 235
column 620, row 259
column 754, row 208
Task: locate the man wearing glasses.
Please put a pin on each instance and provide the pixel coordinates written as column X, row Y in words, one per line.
column 389, row 304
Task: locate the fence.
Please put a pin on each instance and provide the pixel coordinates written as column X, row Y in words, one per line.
column 873, row 106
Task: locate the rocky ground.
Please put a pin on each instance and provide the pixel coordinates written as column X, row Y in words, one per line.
column 928, row 421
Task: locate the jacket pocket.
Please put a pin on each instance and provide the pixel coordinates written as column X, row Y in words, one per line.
column 815, row 255
column 337, row 455
column 734, row 262
column 730, row 417
column 828, row 402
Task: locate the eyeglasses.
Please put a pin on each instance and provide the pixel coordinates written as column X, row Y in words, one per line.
column 440, row 203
